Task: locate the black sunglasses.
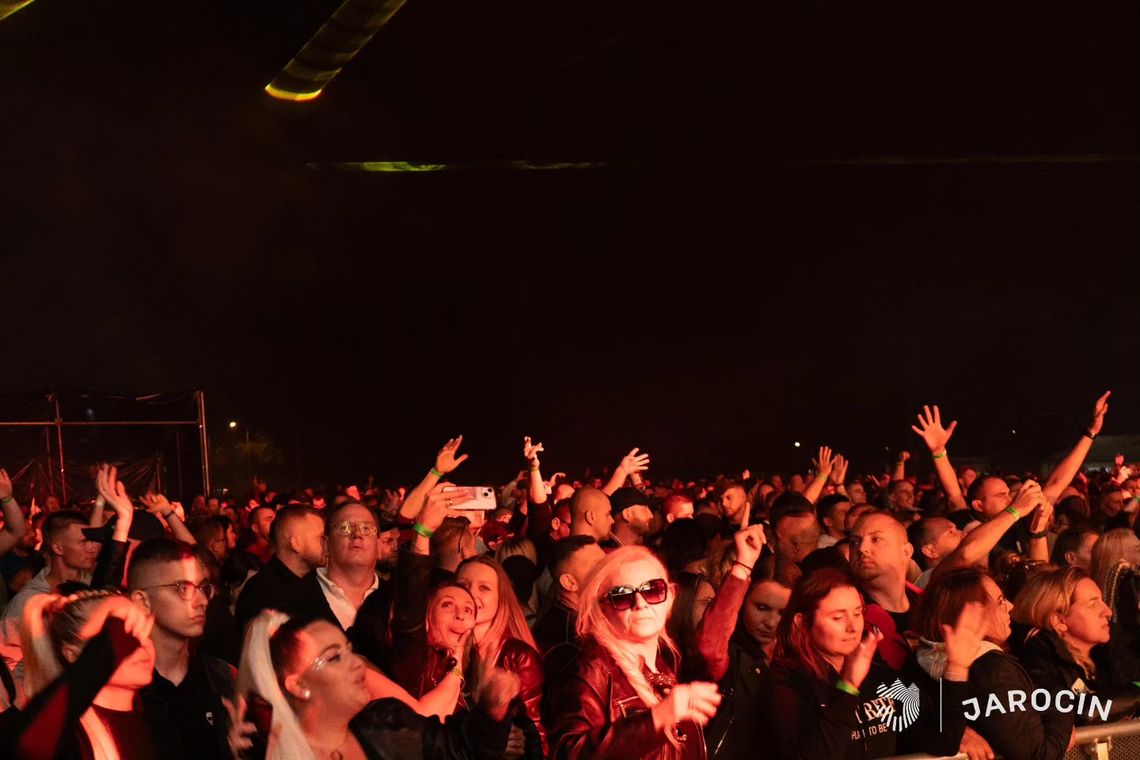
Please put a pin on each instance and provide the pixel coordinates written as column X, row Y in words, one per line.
column 653, row 592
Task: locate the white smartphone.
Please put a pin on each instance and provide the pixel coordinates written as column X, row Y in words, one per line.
column 471, row 498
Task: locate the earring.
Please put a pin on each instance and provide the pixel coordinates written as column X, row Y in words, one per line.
column 307, row 694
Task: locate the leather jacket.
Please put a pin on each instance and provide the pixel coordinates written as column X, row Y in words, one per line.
column 598, row 715
column 388, row 729
column 520, row 658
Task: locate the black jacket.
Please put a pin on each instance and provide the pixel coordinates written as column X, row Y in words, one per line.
column 803, row 718
column 388, row 729
column 1014, row 734
column 1052, row 667
column 190, row 716
column 275, row 587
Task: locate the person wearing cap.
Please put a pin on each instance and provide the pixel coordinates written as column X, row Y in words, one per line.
column 632, row 518
column 70, row 556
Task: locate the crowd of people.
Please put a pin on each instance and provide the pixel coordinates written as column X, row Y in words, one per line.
column 826, row 615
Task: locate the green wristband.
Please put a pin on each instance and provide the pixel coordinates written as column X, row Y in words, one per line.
column 847, row 687
column 939, row 456
column 422, row 529
column 1014, row 512
column 436, row 472
column 7, row 500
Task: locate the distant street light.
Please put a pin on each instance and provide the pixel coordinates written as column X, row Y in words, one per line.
column 796, row 444
column 233, row 425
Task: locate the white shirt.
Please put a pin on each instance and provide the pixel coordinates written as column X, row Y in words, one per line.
column 339, row 602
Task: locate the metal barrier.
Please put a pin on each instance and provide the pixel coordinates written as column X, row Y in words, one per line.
column 1108, row 741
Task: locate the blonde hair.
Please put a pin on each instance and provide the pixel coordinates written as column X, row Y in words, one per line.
column 1046, row 593
column 1106, row 552
column 258, row 676
column 593, row 622
column 509, row 620
column 49, row 623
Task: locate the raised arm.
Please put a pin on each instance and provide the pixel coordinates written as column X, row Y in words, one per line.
column 930, row 430
column 719, row 620
column 631, row 464
column 824, row 466
column 1061, row 477
column 536, row 492
column 899, row 472
column 978, row 543
column 158, row 506
column 445, row 461
column 15, row 526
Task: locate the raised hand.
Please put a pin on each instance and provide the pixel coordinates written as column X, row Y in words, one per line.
column 446, row 460
column 964, row 639
column 1042, row 517
column 930, row 430
column 113, row 491
column 839, row 471
column 435, row 507
column 749, row 543
column 634, row 462
column 156, row 504
column 697, row 702
column 5, row 485
column 353, row 492
column 531, row 451
column 825, row 463
column 904, row 456
column 1099, row 410
column 1029, row 497
column 857, row 664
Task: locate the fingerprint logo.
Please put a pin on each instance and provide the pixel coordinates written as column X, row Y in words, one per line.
column 907, row 697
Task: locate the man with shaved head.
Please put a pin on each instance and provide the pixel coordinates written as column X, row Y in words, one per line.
column 287, row 583
column 796, row 534
column 590, row 514
column 880, row 555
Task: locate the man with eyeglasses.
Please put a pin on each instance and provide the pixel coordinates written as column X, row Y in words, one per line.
column 184, row 700
column 350, row 576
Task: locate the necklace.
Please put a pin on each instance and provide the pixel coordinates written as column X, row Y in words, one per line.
column 335, row 753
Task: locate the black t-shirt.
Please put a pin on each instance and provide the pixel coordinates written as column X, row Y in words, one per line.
column 190, row 716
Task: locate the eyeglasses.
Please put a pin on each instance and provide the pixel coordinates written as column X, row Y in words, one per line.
column 366, row 529
column 623, row 597
column 186, row 589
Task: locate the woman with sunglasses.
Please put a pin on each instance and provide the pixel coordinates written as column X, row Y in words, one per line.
column 305, row 675
column 622, row 698
column 825, row 698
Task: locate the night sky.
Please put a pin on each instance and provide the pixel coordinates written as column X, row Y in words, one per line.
column 810, row 221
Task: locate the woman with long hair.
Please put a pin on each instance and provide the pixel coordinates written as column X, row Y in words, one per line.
column 1018, row 734
column 824, row 697
column 321, row 709
column 1112, row 547
column 622, row 699
column 1062, row 617
column 694, row 595
column 502, row 639
column 86, row 658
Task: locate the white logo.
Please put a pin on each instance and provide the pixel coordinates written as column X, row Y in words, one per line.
column 907, row 696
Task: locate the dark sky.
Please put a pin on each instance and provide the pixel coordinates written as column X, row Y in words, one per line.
column 747, row 270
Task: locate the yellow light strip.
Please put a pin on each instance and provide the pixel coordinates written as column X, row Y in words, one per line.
column 296, row 97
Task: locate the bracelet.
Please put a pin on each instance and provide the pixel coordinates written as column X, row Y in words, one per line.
column 1088, row 435
column 847, row 687
column 746, row 567
column 534, row 469
column 1014, row 512
column 939, row 456
column 422, row 529
column 1042, row 534
column 436, row 472
column 7, row 500
column 167, row 514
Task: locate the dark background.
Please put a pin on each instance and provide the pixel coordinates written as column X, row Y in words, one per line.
column 811, row 220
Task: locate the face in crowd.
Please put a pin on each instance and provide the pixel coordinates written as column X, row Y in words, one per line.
column 645, row 619
column 451, row 615
column 762, row 610
column 352, row 538
column 879, row 549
